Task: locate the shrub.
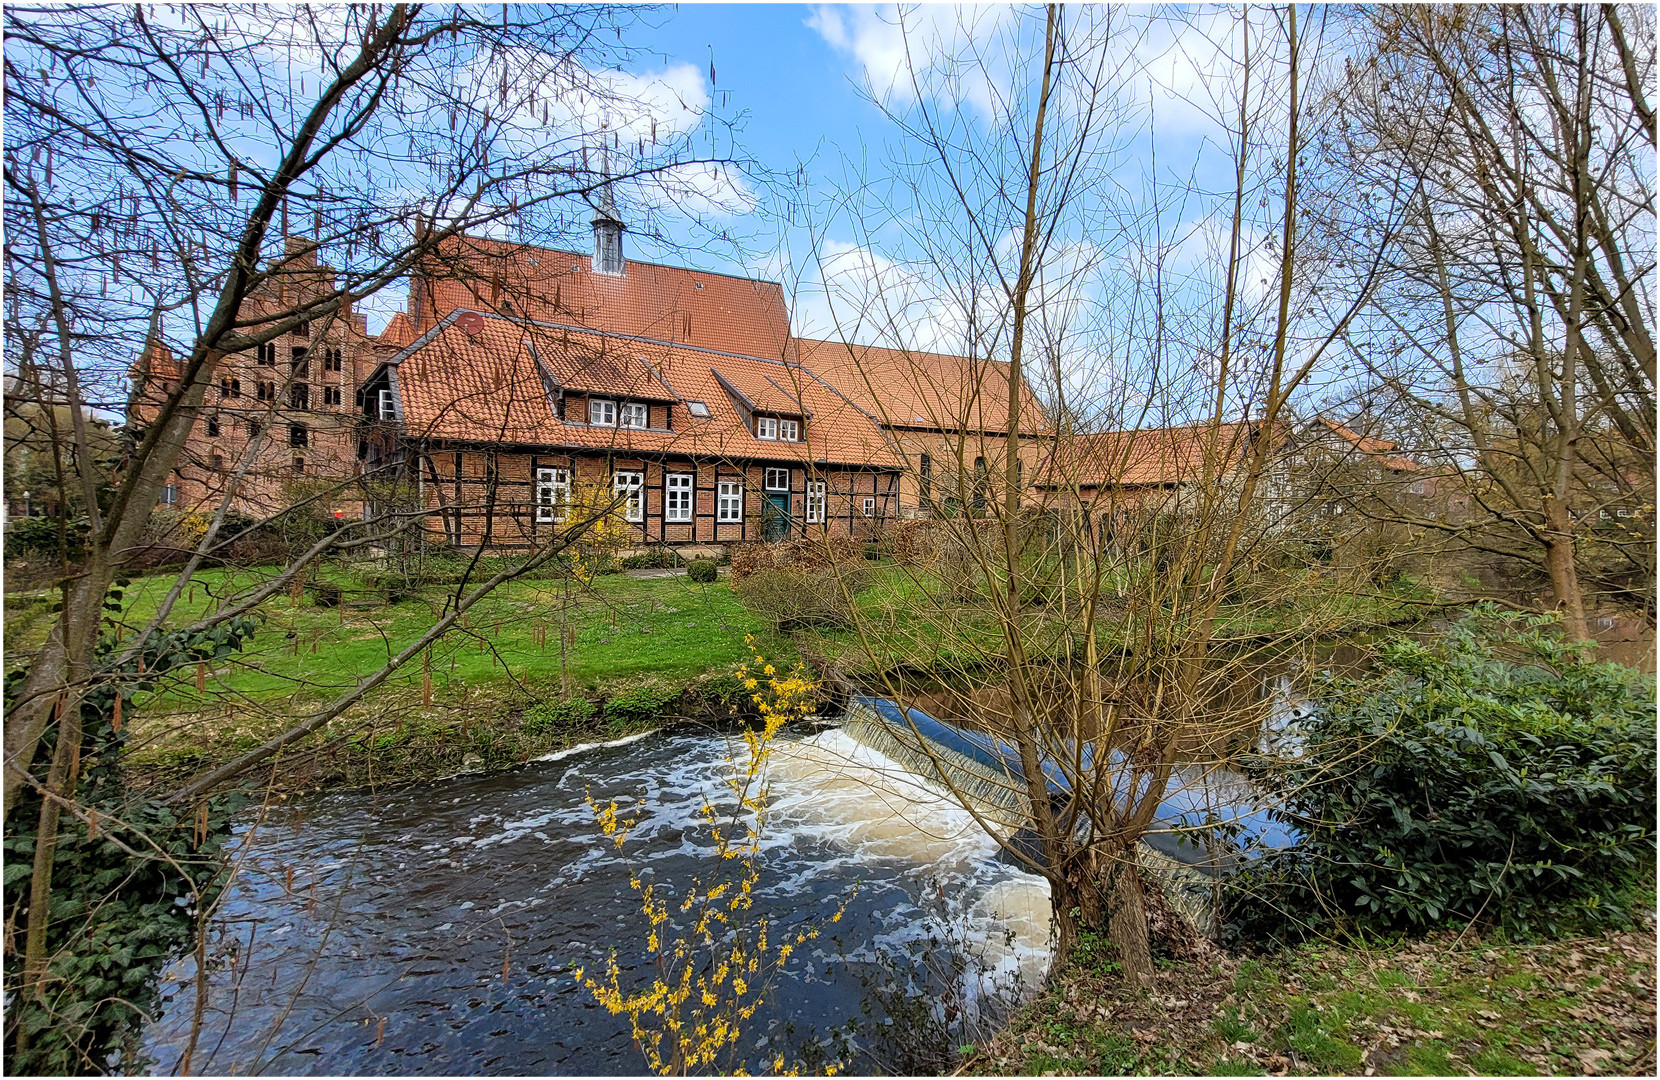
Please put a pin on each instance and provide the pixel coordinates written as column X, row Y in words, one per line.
column 1495, row 775
column 324, row 593
column 792, row 598
column 654, row 559
column 703, row 571
column 548, row 716
column 641, row 703
column 37, row 538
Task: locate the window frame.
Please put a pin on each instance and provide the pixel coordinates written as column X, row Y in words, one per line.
column 169, row 495
column 553, row 493
column 688, row 489
column 817, row 500
column 602, row 403
column 636, row 409
column 732, row 490
column 299, row 436
column 869, row 506
column 766, row 481
column 634, row 507
column 388, row 405
column 794, row 427
column 761, row 425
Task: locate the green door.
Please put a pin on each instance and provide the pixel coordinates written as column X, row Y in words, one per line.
column 775, row 517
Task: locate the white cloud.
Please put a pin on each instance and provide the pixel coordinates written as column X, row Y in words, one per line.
column 888, row 43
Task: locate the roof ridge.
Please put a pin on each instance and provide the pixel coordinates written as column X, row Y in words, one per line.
column 640, row 262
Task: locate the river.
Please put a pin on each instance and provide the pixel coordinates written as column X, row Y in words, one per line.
column 433, row 928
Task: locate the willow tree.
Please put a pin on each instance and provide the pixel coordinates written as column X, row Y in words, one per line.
column 1102, row 596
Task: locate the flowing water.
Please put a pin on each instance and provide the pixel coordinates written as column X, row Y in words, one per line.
column 433, row 928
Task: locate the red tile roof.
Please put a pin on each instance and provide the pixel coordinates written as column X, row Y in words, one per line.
column 663, row 303
column 1375, row 447
column 902, row 388
column 399, row 332
column 1150, row 457
column 479, row 377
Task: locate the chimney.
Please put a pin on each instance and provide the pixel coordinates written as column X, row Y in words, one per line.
column 608, row 229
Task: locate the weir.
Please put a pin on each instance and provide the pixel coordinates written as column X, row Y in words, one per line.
column 1208, row 819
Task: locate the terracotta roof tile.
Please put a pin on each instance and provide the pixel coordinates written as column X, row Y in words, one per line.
column 478, row 377
column 1378, row 448
column 921, row 389
column 1145, row 458
column 399, row 332
column 663, row 303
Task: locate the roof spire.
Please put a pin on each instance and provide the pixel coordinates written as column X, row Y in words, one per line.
column 608, row 228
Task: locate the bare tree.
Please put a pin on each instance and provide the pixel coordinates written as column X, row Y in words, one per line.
column 161, row 166
column 1518, row 315
column 1091, row 608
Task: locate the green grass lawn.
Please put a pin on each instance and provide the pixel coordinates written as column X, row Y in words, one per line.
column 621, row 634
column 620, row 629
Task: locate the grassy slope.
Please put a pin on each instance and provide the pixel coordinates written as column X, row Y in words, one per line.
column 908, row 620
column 1447, row 1005
column 624, row 633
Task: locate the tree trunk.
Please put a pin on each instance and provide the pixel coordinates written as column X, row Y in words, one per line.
column 1127, row 921
column 1564, row 572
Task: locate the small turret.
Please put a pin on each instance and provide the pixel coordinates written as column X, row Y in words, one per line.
column 608, row 230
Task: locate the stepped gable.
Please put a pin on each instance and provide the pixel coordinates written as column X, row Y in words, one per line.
column 479, row 377
column 925, row 390
column 664, row 303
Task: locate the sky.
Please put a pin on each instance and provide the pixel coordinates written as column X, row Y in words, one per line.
column 795, row 74
column 792, row 81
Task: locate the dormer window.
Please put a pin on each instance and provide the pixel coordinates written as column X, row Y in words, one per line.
column 698, row 409
column 602, row 413
column 772, row 427
column 633, row 415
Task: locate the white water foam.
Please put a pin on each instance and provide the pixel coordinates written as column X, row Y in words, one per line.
column 582, row 748
column 832, row 787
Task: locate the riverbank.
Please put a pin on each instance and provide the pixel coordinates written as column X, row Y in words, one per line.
column 1449, row 1004
column 536, row 669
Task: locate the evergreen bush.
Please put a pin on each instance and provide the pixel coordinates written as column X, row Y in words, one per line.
column 703, row 571
column 1496, row 775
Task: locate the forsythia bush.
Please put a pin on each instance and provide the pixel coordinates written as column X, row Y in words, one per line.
column 711, row 978
column 609, row 533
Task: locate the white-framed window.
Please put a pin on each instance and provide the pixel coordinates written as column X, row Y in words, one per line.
column 553, row 494
column 815, row 502
column 789, row 431
column 870, row 506
column 778, row 479
column 634, row 415
column 602, row 413
column 388, row 407
column 766, row 427
column 677, row 497
column 729, row 502
column 631, row 487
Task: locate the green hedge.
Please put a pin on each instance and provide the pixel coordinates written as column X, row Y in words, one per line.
column 1494, row 775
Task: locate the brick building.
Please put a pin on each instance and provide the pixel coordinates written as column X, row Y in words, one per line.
column 519, row 379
